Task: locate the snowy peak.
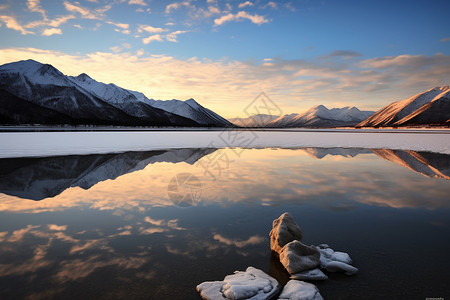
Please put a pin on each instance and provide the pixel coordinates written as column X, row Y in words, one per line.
column 258, row 120
column 88, row 101
column 321, row 116
column 429, row 107
column 83, row 77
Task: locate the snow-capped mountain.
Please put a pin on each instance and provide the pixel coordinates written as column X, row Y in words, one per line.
column 320, row 116
column 259, row 120
column 28, row 86
column 429, row 107
column 132, row 103
column 192, row 110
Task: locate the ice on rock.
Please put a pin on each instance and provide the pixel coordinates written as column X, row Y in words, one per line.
column 211, row 290
column 337, row 266
column 314, row 274
column 341, row 256
column 284, row 230
column 300, row 290
column 335, row 261
column 297, row 257
column 253, row 284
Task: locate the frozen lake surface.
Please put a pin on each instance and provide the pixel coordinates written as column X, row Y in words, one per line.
column 154, row 224
column 19, row 144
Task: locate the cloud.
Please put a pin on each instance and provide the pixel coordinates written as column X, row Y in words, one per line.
column 152, row 38
column 256, row 19
column 270, row 4
column 35, row 6
column 443, row 40
column 137, row 2
column 151, row 29
column 342, row 53
column 172, row 37
column 12, row 23
column 51, row 31
column 86, row 12
column 120, row 25
column 52, row 23
column 176, row 5
column 244, row 4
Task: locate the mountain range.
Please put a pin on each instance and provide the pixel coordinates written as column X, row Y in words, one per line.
column 36, row 93
column 320, row 116
column 431, row 107
column 259, row 120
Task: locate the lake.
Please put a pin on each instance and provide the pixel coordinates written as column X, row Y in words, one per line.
column 154, row 224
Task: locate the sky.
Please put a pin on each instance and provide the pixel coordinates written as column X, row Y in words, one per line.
column 224, row 53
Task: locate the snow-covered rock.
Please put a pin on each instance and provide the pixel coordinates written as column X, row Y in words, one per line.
column 251, row 284
column 314, row 274
column 284, row 230
column 300, row 290
column 335, row 261
column 297, row 257
column 337, row 266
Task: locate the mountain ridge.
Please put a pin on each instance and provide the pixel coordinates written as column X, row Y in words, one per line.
column 83, row 100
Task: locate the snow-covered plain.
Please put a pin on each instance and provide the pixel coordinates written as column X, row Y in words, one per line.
column 21, row 144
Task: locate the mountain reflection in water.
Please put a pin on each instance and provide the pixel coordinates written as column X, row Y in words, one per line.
column 104, row 227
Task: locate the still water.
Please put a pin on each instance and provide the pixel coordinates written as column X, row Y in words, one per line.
column 153, row 225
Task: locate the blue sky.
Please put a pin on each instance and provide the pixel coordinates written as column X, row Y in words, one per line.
column 225, row 52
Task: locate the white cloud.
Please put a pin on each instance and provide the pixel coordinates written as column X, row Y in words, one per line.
column 256, row 19
column 443, row 40
column 152, row 29
column 52, row 23
column 86, row 12
column 51, row 31
column 152, row 38
column 271, row 4
column 170, row 24
column 137, row 2
column 176, row 5
column 120, row 25
column 35, row 6
column 78, row 26
column 244, row 4
column 12, row 23
column 172, row 37
column 116, row 49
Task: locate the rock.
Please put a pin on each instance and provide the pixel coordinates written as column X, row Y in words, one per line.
column 253, row 284
column 328, row 255
column 297, row 257
column 300, row 290
column 284, row 230
column 323, row 246
column 342, row 257
column 337, row 266
column 211, row 290
column 314, row 274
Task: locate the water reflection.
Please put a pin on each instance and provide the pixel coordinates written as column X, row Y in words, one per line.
column 110, row 231
column 40, row 178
